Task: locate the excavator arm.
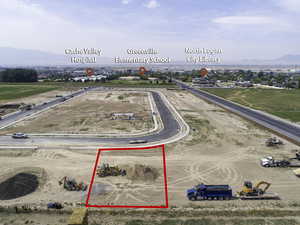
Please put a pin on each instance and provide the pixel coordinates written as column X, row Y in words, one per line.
column 60, row 182
column 267, row 185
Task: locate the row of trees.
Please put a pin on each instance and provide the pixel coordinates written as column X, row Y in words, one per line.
column 269, row 78
column 19, row 75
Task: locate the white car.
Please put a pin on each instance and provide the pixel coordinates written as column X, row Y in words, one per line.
column 19, row 136
column 138, row 141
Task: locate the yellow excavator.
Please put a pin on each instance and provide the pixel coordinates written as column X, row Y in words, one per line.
column 71, row 184
column 256, row 192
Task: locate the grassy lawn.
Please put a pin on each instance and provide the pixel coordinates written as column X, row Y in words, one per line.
column 14, row 91
column 282, row 103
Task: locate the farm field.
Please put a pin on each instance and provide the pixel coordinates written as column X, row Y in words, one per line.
column 10, row 92
column 281, row 103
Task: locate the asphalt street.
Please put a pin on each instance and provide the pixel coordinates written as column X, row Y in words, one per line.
column 279, row 126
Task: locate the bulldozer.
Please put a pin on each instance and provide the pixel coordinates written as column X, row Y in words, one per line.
column 256, row 192
column 106, row 170
column 70, row 184
column 270, row 142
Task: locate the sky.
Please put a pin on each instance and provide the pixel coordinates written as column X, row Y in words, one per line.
column 243, row 29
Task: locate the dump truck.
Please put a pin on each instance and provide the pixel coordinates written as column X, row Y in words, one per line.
column 106, row 170
column 249, row 191
column 209, row 192
column 70, row 184
column 270, row 142
column 224, row 192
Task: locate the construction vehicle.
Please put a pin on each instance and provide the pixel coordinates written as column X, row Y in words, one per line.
column 255, row 192
column 269, row 161
column 54, row 205
column 210, row 192
column 297, row 172
column 106, row 170
column 270, row 142
column 70, row 184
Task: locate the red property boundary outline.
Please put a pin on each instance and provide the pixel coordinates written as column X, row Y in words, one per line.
column 127, row 206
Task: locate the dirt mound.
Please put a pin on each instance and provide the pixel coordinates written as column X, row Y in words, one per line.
column 20, row 183
column 142, row 173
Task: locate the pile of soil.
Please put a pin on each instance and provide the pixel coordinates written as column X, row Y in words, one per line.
column 140, row 172
column 19, row 185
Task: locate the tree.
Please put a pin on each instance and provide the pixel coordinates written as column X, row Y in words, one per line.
column 19, row 75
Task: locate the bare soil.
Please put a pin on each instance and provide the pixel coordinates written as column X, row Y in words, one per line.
column 222, row 148
column 91, row 114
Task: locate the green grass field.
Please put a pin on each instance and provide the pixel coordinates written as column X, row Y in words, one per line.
column 281, row 103
column 14, row 91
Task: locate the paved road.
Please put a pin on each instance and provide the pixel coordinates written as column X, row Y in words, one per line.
column 279, row 126
column 21, row 114
column 171, row 128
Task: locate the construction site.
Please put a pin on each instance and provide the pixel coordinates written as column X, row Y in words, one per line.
column 96, row 112
column 215, row 165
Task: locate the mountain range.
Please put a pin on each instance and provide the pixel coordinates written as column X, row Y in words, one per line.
column 26, row 57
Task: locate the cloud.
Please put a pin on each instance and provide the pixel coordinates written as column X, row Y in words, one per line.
column 243, row 20
column 152, row 4
column 31, row 26
column 290, row 5
column 126, row 2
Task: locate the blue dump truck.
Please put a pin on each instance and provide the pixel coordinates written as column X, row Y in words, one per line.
column 210, row 192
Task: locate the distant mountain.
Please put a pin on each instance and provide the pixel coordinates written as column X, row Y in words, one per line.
column 285, row 60
column 295, row 59
column 27, row 57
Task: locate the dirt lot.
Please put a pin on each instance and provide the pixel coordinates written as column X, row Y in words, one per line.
column 92, row 114
column 221, row 149
column 143, row 184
